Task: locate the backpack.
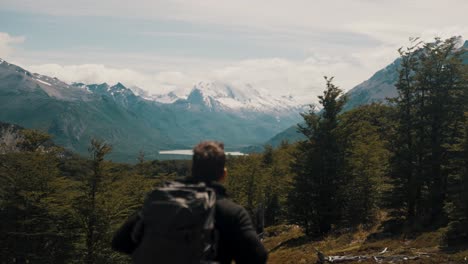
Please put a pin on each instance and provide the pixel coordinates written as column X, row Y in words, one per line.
column 176, row 225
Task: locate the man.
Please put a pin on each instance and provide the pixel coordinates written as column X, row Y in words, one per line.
column 238, row 240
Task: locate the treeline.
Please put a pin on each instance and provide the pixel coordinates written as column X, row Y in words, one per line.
column 60, row 208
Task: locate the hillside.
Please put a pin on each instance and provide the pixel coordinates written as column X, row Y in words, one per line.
column 287, row 244
column 73, row 116
column 379, row 87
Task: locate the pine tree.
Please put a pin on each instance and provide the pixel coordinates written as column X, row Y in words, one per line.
column 88, row 205
column 403, row 159
column 314, row 201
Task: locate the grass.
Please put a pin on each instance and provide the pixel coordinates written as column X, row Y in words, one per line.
column 287, row 244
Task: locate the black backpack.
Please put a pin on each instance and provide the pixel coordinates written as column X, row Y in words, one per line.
column 177, row 225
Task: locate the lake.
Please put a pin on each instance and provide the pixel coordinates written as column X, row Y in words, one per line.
column 189, row 152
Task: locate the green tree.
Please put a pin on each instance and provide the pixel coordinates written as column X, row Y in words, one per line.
column 457, row 207
column 277, row 183
column 245, row 179
column 314, row 201
column 365, row 132
column 89, row 207
column 430, row 106
column 262, row 181
column 35, row 205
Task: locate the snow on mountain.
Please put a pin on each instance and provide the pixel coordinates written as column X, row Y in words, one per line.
column 139, row 92
column 211, row 96
column 217, row 96
column 52, row 86
column 116, row 90
column 165, row 98
column 75, row 113
column 46, row 80
column 120, row 89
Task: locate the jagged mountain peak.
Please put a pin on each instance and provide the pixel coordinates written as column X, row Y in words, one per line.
column 119, row 88
column 106, row 89
column 216, row 89
column 219, row 96
column 119, row 85
column 102, row 88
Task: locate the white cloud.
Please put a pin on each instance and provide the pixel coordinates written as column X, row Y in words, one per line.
column 7, row 44
column 347, row 39
column 277, row 15
column 300, row 78
column 160, row 82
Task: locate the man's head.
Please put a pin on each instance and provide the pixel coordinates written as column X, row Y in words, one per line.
column 208, row 161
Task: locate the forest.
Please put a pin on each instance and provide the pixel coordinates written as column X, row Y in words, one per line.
column 402, row 164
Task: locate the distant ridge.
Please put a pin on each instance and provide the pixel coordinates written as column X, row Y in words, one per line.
column 218, row 96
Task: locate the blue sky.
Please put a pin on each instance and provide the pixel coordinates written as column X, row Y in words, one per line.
column 112, row 34
column 283, row 46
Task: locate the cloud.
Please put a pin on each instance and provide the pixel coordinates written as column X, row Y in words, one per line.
column 160, row 82
column 285, row 47
column 276, row 76
column 277, row 15
column 7, row 44
column 295, row 22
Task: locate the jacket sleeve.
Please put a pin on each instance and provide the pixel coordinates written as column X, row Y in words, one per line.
column 251, row 249
column 122, row 240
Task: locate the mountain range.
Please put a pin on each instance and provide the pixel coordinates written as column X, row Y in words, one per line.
column 132, row 122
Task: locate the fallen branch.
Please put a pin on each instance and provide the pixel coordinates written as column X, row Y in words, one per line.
column 322, row 259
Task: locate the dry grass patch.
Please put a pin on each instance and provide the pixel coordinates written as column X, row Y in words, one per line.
column 287, row 244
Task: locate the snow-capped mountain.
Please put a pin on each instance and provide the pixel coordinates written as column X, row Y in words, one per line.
column 207, row 96
column 131, row 120
column 28, row 81
column 217, row 96
column 104, row 88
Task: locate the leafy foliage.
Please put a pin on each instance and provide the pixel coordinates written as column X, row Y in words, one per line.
column 365, row 131
column 432, row 98
column 34, row 205
column 262, row 182
column 66, row 206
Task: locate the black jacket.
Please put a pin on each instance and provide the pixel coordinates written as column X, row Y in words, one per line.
column 238, row 240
